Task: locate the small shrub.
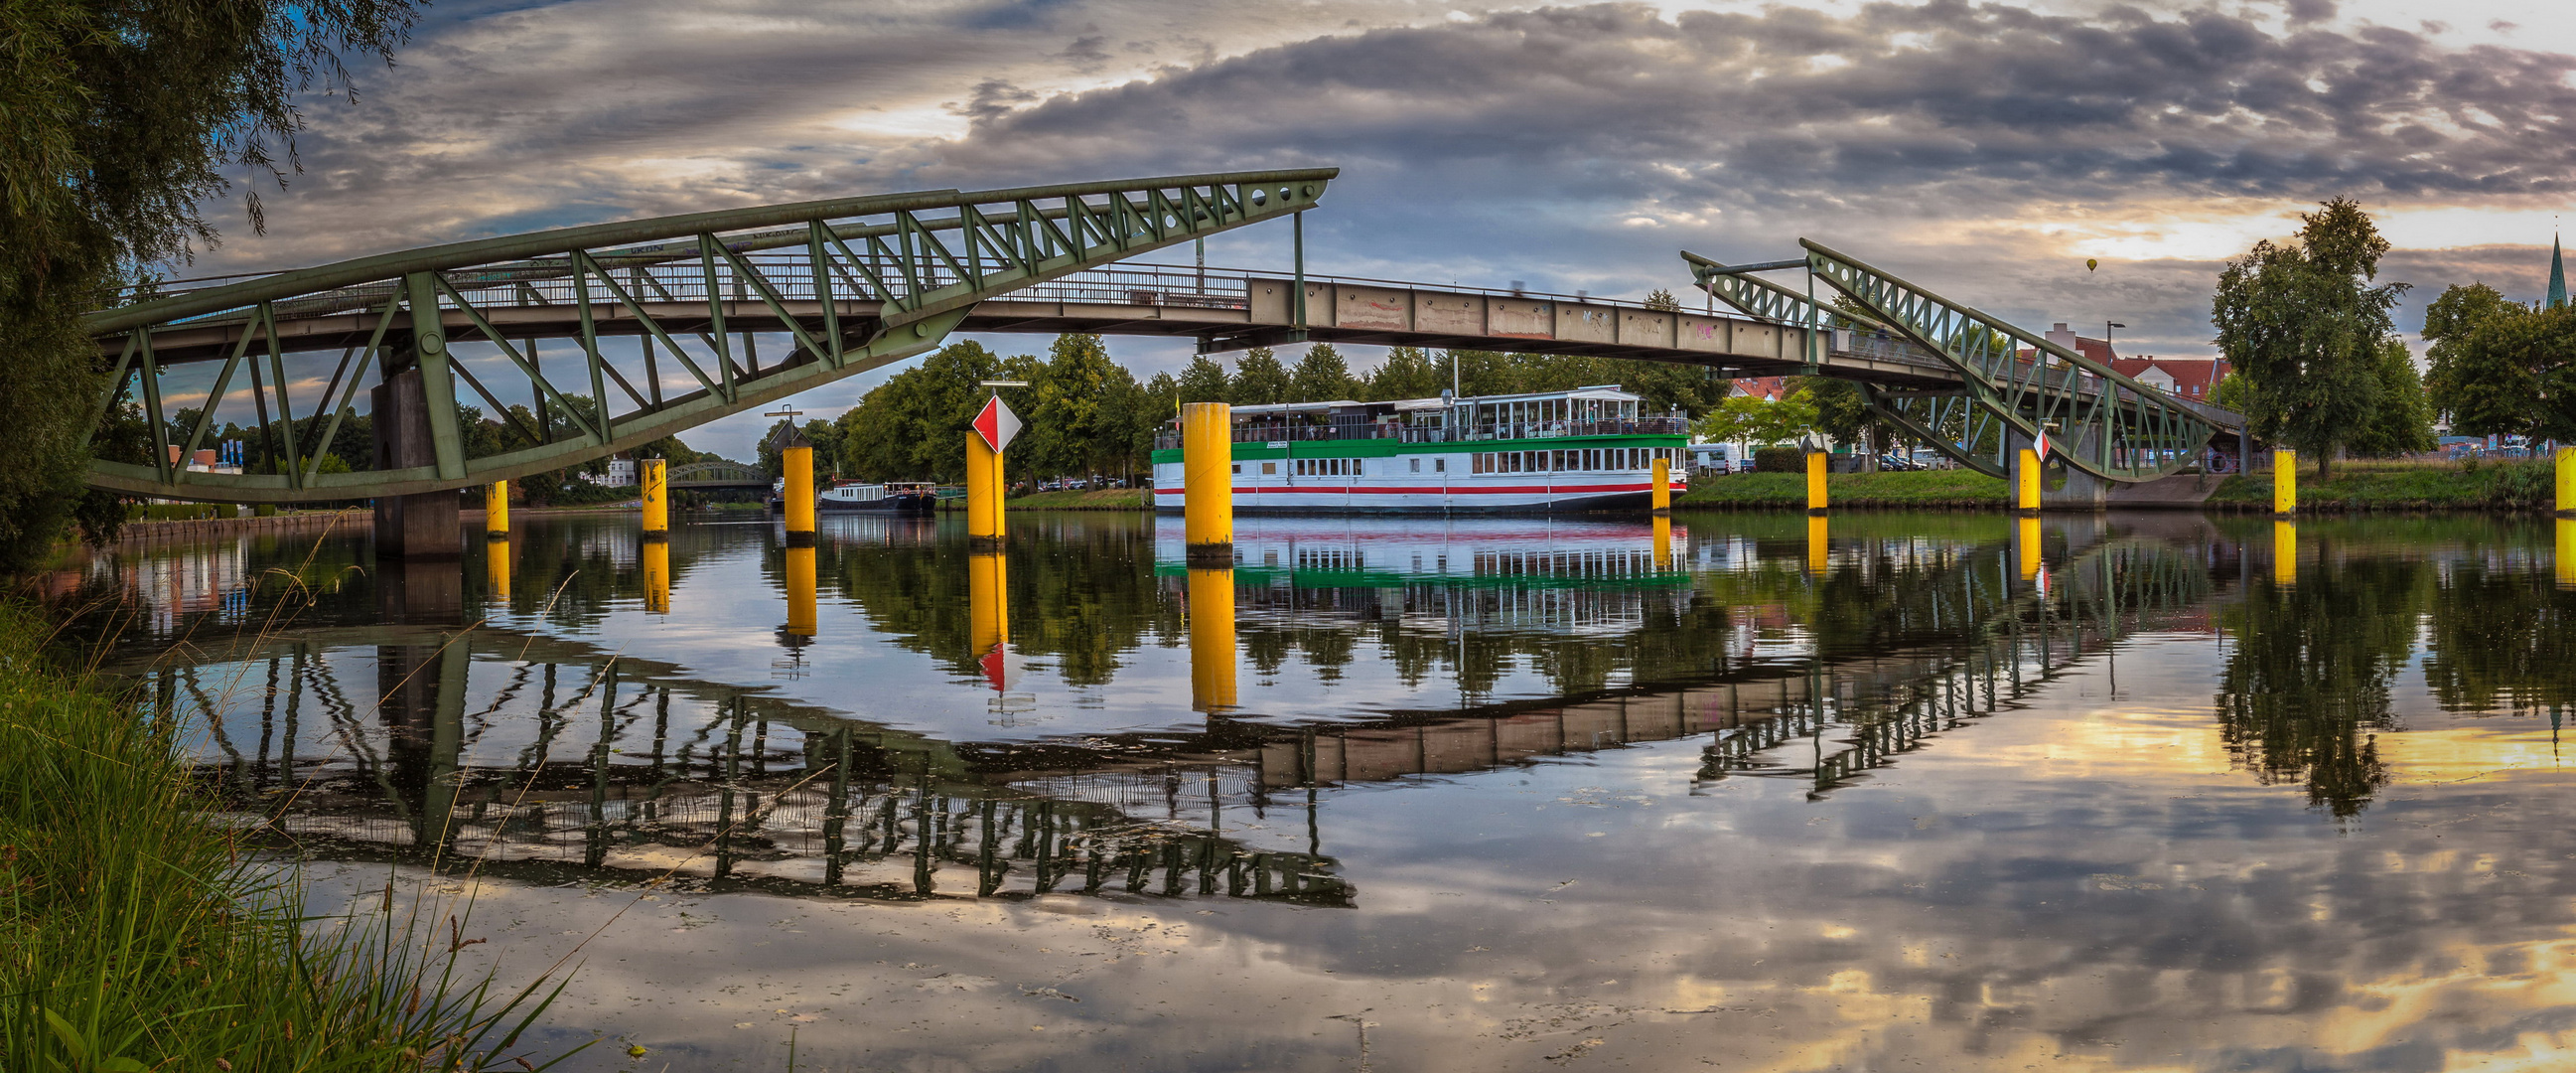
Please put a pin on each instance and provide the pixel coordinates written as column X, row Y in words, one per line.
column 1779, row 460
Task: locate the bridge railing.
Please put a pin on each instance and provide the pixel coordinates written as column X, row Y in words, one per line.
column 1477, row 433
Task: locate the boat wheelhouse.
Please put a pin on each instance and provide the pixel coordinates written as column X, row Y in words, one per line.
column 1591, row 448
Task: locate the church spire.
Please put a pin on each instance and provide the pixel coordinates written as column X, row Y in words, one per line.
column 2557, row 275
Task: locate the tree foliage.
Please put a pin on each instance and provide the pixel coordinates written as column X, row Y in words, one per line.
column 1322, row 376
column 2305, row 328
column 1747, row 419
column 1259, row 379
column 2500, row 368
column 121, row 119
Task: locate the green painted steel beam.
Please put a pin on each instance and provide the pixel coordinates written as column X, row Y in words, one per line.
column 948, row 254
column 630, row 233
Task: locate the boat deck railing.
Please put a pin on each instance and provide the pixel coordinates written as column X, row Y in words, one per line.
column 1475, row 433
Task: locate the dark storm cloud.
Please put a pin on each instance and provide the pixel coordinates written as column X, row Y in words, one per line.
column 1944, row 106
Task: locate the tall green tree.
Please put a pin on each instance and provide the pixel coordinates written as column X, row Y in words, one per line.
column 121, row 120
column 2304, row 326
column 1259, row 379
column 2500, row 368
column 1408, row 373
column 1203, row 380
column 913, row 426
column 1746, row 419
column 1322, row 376
column 1843, row 413
column 1076, row 425
column 2403, row 422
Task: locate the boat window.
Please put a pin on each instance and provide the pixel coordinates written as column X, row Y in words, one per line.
column 1268, row 468
column 1417, row 466
column 1440, row 465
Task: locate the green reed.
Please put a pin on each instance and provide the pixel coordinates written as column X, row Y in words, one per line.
column 136, row 934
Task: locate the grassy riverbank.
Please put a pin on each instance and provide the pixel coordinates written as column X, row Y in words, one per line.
column 139, row 936
column 1935, row 488
column 2489, row 486
column 1088, row 499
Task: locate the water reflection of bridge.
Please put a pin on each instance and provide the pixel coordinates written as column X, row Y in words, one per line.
column 633, row 770
column 1981, row 640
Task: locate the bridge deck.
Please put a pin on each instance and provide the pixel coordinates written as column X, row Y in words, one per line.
column 1231, row 311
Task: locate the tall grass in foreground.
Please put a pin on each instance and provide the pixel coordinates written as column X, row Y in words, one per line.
column 136, row 935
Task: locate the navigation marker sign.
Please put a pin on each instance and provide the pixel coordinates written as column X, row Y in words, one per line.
column 2039, row 446
column 997, row 424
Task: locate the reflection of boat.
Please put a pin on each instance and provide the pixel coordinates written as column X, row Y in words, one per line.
column 898, row 497
column 1362, row 551
column 1522, row 574
column 1591, row 448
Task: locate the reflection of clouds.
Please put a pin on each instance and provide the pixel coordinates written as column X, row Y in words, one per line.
column 2089, row 878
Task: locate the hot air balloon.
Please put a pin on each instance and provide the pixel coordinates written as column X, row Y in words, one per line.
column 2091, row 263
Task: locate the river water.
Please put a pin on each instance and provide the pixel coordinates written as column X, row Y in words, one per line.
column 1897, row 791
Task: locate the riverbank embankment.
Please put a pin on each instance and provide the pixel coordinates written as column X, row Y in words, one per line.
column 144, row 936
column 188, row 529
column 2519, row 486
column 1087, row 499
column 1936, row 489
column 2514, row 487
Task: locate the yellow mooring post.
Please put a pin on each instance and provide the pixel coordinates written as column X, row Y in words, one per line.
column 1207, row 485
column 988, row 612
column 1663, row 542
column 983, row 491
column 496, row 509
column 1663, row 486
column 2285, row 483
column 2565, row 503
column 797, row 459
column 1815, row 482
column 1211, row 638
column 2285, row 553
column 1816, row 546
column 2565, row 556
column 2026, row 481
column 496, row 566
column 657, row 499
column 657, row 577
column 2026, row 546
column 801, row 618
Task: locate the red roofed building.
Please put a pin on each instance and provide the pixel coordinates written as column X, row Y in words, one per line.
column 2190, row 378
column 1765, row 388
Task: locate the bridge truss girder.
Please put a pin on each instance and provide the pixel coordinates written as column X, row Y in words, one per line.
column 2098, row 419
column 855, row 282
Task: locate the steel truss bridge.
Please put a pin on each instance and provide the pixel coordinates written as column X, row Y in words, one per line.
column 656, row 327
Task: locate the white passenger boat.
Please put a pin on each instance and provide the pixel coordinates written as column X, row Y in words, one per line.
column 1588, row 449
column 899, row 497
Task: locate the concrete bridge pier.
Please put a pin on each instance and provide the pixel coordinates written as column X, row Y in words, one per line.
column 2079, row 490
column 422, row 526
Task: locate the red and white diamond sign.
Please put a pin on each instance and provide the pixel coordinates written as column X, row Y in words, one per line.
column 997, row 424
column 2038, row 447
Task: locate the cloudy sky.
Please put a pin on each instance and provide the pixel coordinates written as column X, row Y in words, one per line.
column 1985, row 150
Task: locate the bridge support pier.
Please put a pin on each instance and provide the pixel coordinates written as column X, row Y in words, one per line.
column 2080, row 490
column 423, row 526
